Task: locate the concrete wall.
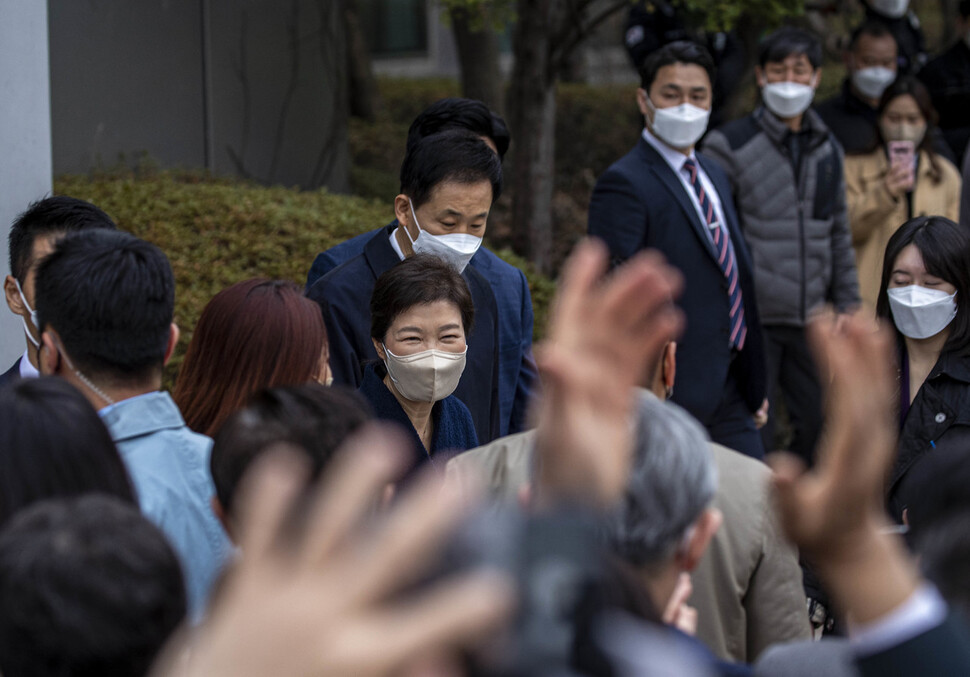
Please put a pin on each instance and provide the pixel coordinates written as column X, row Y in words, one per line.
column 242, row 87
column 25, row 134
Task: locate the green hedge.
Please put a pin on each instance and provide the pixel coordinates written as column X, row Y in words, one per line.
column 218, row 231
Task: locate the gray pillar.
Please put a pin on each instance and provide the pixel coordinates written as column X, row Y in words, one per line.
column 25, row 134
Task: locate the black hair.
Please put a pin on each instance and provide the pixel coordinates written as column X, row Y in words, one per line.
column 457, row 113
column 454, row 155
column 312, row 417
column 57, row 214
column 110, row 296
column 681, row 51
column 415, row 281
column 788, row 41
column 871, row 27
column 54, row 445
column 88, row 586
column 964, row 9
column 945, row 248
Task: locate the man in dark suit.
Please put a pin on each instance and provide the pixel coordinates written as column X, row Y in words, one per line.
column 517, row 374
column 32, row 237
column 448, row 184
column 663, row 195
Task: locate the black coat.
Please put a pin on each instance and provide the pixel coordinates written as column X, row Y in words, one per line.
column 344, row 297
column 640, row 203
column 11, row 374
column 948, row 79
column 938, row 419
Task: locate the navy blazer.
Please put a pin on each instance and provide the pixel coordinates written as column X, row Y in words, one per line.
column 11, row 374
column 943, row 651
column 344, row 297
column 640, row 203
column 517, row 373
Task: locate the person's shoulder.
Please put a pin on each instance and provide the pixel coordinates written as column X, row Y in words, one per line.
column 495, row 268
column 345, row 278
column 740, row 132
column 949, row 170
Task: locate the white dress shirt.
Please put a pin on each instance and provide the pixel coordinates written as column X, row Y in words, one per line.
column 27, row 370
column 675, row 159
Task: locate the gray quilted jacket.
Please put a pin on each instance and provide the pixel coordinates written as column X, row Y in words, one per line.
column 793, row 218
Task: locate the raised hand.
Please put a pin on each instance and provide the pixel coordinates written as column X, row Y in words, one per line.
column 604, row 336
column 324, row 601
column 835, row 512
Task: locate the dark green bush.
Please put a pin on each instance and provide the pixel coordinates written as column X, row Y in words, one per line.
column 219, row 231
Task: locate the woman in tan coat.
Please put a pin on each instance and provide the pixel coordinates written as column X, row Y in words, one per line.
column 900, row 179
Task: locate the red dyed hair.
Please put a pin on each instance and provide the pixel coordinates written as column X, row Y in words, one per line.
column 255, row 334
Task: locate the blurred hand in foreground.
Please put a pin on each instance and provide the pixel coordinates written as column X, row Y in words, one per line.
column 835, row 513
column 325, row 600
column 604, row 336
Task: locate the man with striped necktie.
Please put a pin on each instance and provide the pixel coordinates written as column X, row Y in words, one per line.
column 663, row 195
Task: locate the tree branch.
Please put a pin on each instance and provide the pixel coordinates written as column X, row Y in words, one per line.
column 560, row 54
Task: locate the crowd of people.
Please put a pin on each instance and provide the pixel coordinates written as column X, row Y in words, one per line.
column 364, row 477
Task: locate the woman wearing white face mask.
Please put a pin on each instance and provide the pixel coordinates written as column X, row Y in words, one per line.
column 899, row 179
column 924, row 292
column 421, row 313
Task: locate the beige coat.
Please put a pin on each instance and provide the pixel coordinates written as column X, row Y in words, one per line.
column 874, row 215
column 748, row 586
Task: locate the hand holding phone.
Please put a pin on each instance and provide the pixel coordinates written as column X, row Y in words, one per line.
column 902, row 167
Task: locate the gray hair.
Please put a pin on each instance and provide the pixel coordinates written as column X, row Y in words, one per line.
column 672, row 481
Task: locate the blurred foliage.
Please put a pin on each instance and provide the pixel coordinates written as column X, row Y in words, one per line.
column 218, row 231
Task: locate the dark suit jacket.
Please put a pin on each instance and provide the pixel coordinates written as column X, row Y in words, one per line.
column 344, row 297
column 11, row 374
column 517, row 373
column 943, row 651
column 640, row 203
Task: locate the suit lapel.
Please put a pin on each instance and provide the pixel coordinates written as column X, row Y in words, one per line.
column 679, row 192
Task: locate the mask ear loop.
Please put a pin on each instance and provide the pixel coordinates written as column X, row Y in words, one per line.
column 33, row 316
column 418, row 225
column 84, row 379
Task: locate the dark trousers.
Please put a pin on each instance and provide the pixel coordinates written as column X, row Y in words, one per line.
column 792, row 375
column 732, row 424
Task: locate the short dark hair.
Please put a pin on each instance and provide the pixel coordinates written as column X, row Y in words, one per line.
column 312, row 417
column 945, row 248
column 788, row 41
column 57, row 214
column 872, row 28
column 110, row 296
column 415, row 281
column 88, row 586
column 681, row 51
column 54, row 445
column 965, row 9
column 458, row 113
column 454, row 155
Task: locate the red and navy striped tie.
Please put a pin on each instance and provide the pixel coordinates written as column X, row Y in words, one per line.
column 725, row 257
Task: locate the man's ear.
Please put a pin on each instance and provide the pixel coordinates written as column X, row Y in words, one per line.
column 669, row 366
column 221, row 515
column 402, row 211
column 704, row 529
column 642, row 101
column 173, row 339
column 759, row 76
column 49, row 361
column 379, row 348
column 14, row 302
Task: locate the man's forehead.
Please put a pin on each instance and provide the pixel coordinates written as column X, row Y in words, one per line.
column 875, row 43
column 686, row 75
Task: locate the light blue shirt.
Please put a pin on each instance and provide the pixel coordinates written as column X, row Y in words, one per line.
column 169, row 466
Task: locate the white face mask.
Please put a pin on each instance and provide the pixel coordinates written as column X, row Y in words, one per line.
column 919, row 312
column 787, row 99
column 891, row 8
column 428, row 376
column 872, row 82
column 680, row 126
column 33, row 317
column 456, row 249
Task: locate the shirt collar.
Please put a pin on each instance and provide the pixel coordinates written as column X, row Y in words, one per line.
column 671, row 156
column 27, row 370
